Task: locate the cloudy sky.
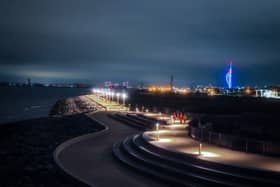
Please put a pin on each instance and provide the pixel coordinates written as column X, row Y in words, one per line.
column 140, row 40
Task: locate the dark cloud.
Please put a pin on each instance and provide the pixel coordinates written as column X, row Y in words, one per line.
column 140, row 40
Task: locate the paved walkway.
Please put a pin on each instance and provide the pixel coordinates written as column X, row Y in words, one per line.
column 217, row 154
column 180, row 142
column 110, row 105
column 92, row 159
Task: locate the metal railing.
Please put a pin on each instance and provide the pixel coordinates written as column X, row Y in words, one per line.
column 235, row 142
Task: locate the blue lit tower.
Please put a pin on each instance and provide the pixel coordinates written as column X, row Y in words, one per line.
column 229, row 76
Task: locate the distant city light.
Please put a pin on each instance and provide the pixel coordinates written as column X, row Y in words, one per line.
column 159, row 89
column 248, row 91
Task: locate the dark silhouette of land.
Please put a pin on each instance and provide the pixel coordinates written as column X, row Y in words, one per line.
column 26, row 149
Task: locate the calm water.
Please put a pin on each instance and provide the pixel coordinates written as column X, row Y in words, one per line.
column 25, row 103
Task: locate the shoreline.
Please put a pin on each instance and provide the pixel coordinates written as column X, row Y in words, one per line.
column 27, row 146
column 19, row 104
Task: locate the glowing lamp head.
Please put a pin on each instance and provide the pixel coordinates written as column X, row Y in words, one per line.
column 124, row 96
column 118, row 94
column 157, row 125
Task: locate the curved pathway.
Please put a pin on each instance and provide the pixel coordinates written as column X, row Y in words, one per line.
column 91, row 159
column 213, row 153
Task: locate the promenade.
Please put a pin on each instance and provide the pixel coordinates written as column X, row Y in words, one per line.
column 90, row 159
column 214, row 153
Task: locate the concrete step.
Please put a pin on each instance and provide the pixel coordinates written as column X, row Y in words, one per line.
column 125, row 121
column 123, row 117
column 134, row 120
column 188, row 165
column 175, row 170
column 244, row 175
column 140, row 166
column 137, row 153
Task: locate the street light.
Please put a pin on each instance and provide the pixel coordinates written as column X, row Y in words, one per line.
column 106, row 95
column 118, row 96
column 124, row 96
column 113, row 95
column 157, row 130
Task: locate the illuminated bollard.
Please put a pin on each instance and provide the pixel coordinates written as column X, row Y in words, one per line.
column 157, row 130
column 200, row 149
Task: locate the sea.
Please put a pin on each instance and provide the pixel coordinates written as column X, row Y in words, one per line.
column 22, row 103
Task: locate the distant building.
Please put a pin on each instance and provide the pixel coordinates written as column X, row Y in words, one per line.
column 171, row 83
column 108, row 84
column 125, row 84
column 29, row 82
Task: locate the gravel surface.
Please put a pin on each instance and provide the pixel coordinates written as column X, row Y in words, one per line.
column 26, row 149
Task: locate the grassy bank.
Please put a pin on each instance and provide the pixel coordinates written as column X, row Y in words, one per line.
column 26, row 149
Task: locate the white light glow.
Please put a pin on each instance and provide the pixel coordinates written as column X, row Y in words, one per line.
column 160, row 131
column 208, row 154
column 124, row 96
column 164, row 140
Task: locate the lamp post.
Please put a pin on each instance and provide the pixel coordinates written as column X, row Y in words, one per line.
column 118, row 96
column 106, row 95
column 110, row 96
column 157, row 130
column 124, row 96
column 113, row 95
column 199, row 149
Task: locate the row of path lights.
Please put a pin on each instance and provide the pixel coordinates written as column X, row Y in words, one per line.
column 109, row 95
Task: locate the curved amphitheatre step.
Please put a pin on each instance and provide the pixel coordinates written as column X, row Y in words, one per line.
column 252, row 175
column 131, row 121
column 162, row 169
column 167, row 165
column 120, row 153
column 126, row 121
column 139, row 122
column 179, row 168
column 136, row 153
column 205, row 168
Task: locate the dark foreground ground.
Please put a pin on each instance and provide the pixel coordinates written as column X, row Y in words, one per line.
column 26, row 149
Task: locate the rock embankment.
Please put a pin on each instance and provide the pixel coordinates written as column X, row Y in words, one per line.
column 70, row 106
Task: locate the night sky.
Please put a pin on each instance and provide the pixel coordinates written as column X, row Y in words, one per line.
column 140, row 40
